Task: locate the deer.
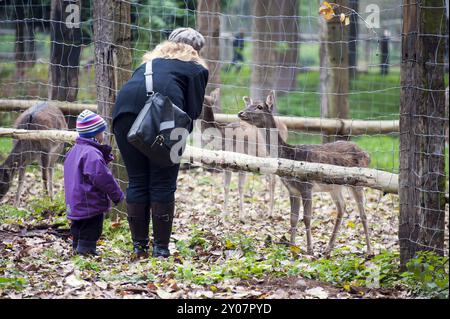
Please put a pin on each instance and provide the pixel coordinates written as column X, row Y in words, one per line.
column 342, row 153
column 241, row 131
column 41, row 116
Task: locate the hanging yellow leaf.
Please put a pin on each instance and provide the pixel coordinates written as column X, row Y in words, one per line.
column 347, row 20
column 342, row 17
column 351, row 224
column 326, row 10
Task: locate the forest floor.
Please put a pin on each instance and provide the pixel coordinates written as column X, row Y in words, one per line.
column 212, row 257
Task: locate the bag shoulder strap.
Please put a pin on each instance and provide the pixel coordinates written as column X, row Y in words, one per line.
column 149, row 77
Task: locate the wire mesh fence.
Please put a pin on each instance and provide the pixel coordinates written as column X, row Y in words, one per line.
column 333, row 78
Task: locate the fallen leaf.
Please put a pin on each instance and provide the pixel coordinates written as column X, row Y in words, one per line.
column 295, row 250
column 163, row 294
column 101, row 284
column 318, row 292
column 73, row 281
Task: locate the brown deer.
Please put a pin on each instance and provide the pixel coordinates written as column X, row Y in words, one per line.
column 243, row 135
column 340, row 153
column 24, row 152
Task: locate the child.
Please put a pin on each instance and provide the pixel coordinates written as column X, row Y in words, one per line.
column 88, row 183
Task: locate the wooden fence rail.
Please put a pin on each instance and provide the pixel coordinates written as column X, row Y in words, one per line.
column 331, row 174
column 329, row 126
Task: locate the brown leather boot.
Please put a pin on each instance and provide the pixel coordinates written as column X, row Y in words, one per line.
column 162, row 214
column 139, row 222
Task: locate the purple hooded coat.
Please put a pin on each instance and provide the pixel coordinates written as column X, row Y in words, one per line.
column 88, row 183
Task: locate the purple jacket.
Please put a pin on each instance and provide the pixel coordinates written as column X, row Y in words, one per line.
column 88, row 183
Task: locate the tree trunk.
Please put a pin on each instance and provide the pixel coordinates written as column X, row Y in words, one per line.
column 112, row 36
column 337, row 66
column 286, row 35
column 422, row 145
column 65, row 49
column 353, row 41
column 208, row 24
column 263, row 50
column 20, row 54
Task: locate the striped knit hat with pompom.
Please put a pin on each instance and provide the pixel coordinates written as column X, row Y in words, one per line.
column 90, row 124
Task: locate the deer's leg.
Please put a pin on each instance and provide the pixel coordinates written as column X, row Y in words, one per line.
column 226, row 188
column 272, row 184
column 51, row 169
column 358, row 194
column 19, row 185
column 50, row 181
column 295, row 211
column 307, row 214
column 45, row 163
column 241, row 185
column 338, row 200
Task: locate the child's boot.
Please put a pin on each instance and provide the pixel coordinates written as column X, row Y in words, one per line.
column 87, row 247
column 74, row 244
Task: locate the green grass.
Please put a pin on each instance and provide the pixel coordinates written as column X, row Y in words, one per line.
column 5, row 146
column 371, row 96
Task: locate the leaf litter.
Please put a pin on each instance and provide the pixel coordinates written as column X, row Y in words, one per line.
column 211, row 257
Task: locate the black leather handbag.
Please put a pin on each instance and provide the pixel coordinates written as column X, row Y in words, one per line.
column 161, row 128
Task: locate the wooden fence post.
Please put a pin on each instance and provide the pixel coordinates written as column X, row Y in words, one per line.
column 337, row 105
column 422, row 143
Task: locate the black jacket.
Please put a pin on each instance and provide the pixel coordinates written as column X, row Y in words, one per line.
column 183, row 82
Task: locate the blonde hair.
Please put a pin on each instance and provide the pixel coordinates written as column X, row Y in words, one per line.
column 174, row 50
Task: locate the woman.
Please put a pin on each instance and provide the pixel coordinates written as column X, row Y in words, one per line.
column 180, row 74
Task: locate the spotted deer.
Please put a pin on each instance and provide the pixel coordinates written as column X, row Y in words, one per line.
column 243, row 135
column 24, row 152
column 340, row 153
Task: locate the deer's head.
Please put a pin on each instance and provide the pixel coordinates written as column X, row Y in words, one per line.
column 212, row 99
column 258, row 113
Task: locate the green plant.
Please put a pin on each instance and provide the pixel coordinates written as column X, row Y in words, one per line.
column 198, row 237
column 10, row 214
column 16, row 283
column 427, row 275
column 86, row 263
column 44, row 205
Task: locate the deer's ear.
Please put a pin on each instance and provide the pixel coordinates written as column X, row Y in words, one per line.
column 215, row 94
column 270, row 100
column 247, row 100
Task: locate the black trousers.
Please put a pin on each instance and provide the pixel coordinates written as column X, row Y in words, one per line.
column 89, row 229
column 147, row 183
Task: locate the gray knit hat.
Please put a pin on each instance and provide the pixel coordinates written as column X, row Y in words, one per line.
column 188, row 36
